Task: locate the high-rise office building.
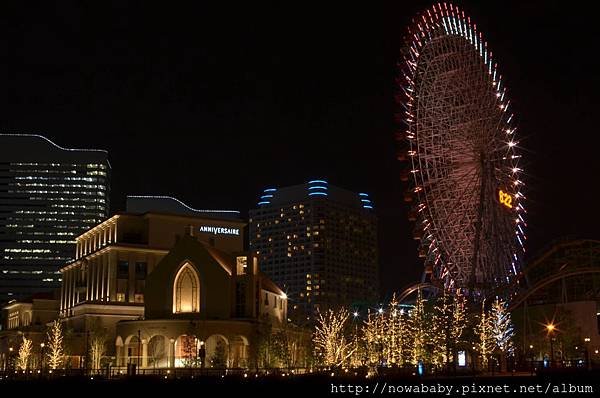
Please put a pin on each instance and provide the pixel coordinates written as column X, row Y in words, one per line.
column 49, row 195
column 319, row 243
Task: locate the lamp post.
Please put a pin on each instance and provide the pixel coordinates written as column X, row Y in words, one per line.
column 11, row 361
column 531, row 352
column 355, row 314
column 587, row 353
column 42, row 345
column 550, row 329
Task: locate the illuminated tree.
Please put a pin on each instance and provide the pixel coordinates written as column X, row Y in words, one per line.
column 55, row 353
column 448, row 324
column 485, row 341
column 24, row 354
column 373, row 332
column 502, row 328
column 331, row 345
column 97, row 349
column 419, row 330
column 189, row 349
column 395, row 335
column 359, row 353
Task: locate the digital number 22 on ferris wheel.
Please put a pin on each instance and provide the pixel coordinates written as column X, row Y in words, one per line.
column 505, row 198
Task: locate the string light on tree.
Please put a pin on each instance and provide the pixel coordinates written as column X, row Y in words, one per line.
column 24, row 353
column 331, row 345
column 55, row 345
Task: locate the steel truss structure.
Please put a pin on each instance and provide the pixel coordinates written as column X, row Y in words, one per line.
column 459, row 142
column 569, row 270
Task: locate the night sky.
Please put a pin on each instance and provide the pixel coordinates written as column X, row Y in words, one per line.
column 213, row 105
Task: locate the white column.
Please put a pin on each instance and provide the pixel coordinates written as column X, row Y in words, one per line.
column 171, row 353
column 92, row 272
column 144, row 353
column 111, row 287
column 70, row 284
column 100, row 278
column 96, row 279
column 62, row 293
column 118, row 354
column 88, row 277
column 104, row 278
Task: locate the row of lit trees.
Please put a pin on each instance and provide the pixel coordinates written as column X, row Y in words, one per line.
column 54, row 353
column 428, row 332
column 54, row 346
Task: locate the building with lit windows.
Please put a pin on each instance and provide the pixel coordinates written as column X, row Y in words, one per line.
column 49, row 195
column 154, row 284
column 319, row 243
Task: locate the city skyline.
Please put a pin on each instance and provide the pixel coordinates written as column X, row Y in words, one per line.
column 381, row 197
column 242, row 108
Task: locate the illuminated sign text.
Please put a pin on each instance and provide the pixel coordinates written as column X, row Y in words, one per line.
column 505, row 199
column 219, row 230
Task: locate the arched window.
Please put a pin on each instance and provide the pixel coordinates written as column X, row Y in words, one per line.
column 186, row 290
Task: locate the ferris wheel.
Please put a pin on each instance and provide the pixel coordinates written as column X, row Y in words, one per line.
column 462, row 153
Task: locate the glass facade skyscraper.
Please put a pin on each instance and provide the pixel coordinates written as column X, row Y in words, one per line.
column 319, row 243
column 49, row 195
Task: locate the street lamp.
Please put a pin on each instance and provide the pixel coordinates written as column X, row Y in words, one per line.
column 11, row 361
column 550, row 328
column 587, row 353
column 531, row 352
column 42, row 345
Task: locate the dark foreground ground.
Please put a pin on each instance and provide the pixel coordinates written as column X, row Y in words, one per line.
column 582, row 383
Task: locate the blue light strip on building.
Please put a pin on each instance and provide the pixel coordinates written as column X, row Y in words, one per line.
column 266, row 196
column 317, row 187
column 264, row 203
column 270, row 190
column 365, row 200
column 317, row 193
column 318, row 181
column 367, row 207
column 363, row 194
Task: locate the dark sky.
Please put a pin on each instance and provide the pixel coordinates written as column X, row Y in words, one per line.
column 212, row 105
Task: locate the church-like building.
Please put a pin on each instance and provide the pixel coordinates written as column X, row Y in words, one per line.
column 201, row 302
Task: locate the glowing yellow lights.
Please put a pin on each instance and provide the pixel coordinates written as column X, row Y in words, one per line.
column 505, row 198
column 550, row 327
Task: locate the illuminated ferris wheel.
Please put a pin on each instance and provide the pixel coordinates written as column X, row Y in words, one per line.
column 461, row 149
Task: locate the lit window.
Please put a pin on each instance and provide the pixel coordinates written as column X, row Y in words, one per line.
column 186, row 289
